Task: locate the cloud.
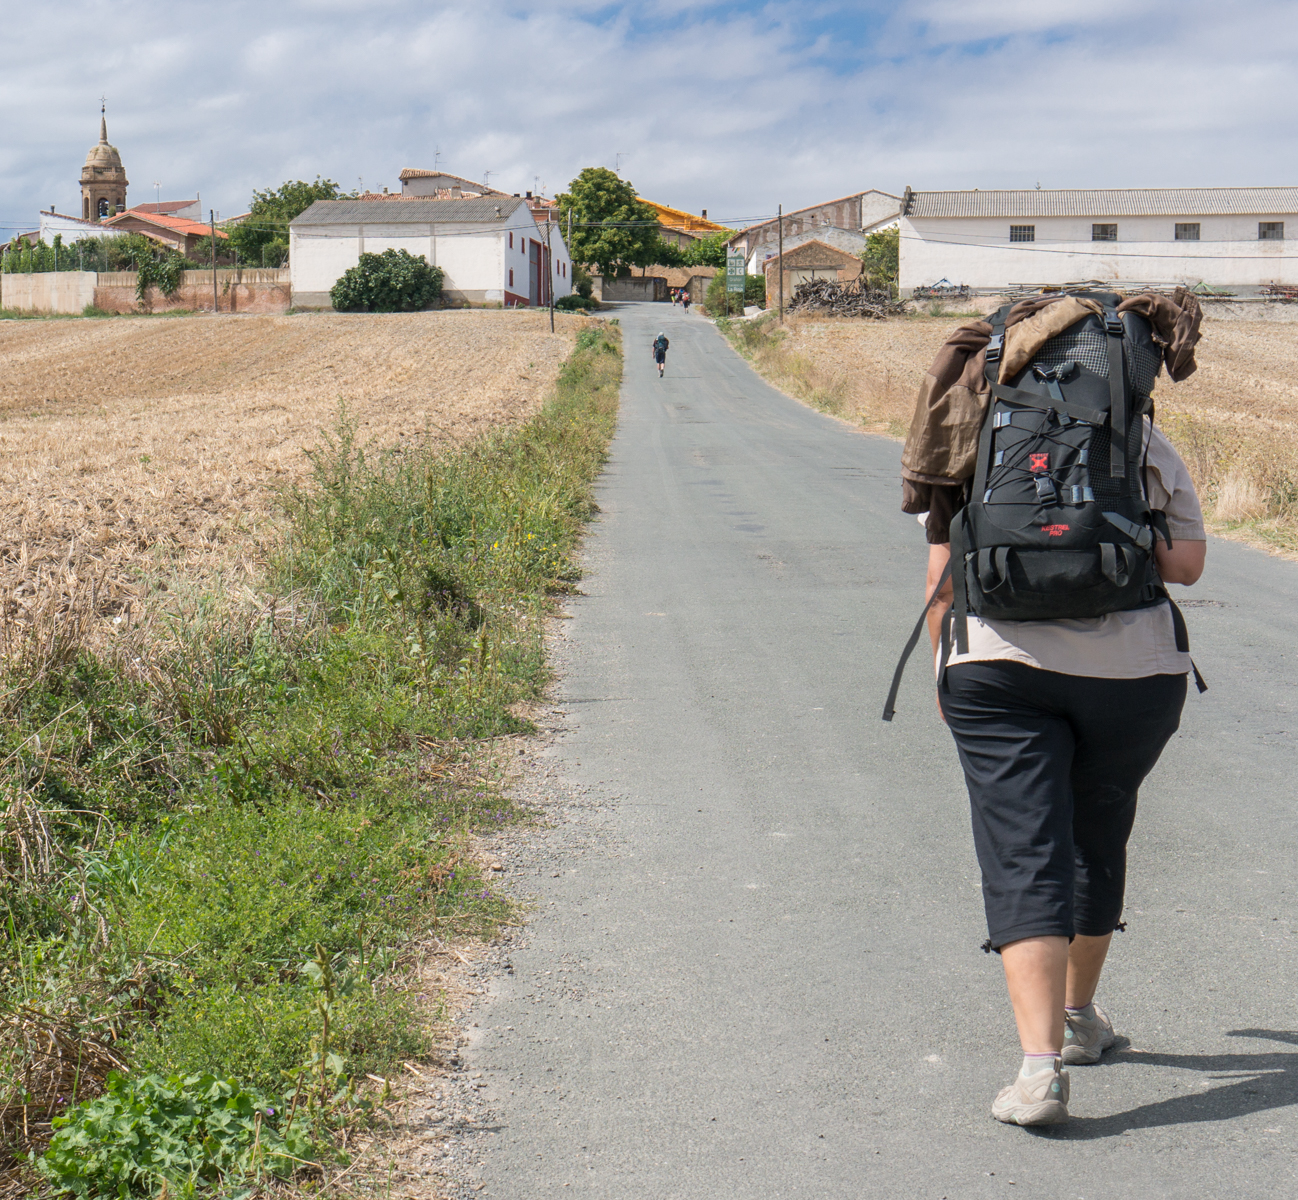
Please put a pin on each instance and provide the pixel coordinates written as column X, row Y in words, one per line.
column 733, row 107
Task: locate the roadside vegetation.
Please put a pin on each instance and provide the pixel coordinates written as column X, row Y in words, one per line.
column 224, row 834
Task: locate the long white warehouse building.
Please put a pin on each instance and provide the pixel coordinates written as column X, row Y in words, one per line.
column 1236, row 238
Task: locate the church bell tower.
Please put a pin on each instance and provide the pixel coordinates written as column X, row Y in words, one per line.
column 103, row 178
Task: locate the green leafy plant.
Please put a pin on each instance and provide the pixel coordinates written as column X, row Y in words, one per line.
column 188, row 1132
column 722, row 302
column 882, row 257
column 394, row 281
column 576, row 303
column 582, row 283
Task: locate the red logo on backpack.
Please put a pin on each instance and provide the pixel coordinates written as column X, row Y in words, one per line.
column 1054, row 530
column 1039, row 462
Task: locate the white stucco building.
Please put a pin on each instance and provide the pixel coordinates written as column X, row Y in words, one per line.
column 491, row 249
column 73, row 229
column 1225, row 237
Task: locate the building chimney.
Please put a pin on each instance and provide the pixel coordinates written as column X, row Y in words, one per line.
column 705, row 214
column 385, row 191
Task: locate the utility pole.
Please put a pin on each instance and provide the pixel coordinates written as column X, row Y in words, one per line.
column 779, row 208
column 211, row 214
column 549, row 268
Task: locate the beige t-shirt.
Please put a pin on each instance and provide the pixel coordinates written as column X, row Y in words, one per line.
column 1121, row 645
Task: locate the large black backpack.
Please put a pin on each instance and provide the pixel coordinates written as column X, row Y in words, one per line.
column 1056, row 524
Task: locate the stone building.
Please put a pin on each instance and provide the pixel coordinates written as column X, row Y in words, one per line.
column 845, row 223
column 103, row 178
column 811, row 260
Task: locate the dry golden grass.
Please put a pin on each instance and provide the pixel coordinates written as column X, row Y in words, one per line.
column 1235, row 421
column 139, row 448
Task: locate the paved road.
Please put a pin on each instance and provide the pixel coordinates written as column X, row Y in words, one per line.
column 765, row 980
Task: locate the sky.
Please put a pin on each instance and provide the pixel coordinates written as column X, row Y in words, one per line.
column 730, row 107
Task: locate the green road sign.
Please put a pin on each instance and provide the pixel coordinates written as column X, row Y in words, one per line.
column 735, row 272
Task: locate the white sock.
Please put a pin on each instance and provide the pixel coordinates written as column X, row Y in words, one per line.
column 1035, row 1063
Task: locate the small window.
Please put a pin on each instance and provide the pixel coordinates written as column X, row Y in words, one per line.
column 1270, row 231
column 1023, row 233
column 511, row 241
column 1187, row 231
column 1104, row 233
column 511, row 276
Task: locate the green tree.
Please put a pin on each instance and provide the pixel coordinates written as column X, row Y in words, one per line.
column 394, row 281
column 709, row 251
column 881, row 257
column 611, row 229
column 263, row 236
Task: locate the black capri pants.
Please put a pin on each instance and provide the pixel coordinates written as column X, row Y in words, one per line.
column 1053, row 764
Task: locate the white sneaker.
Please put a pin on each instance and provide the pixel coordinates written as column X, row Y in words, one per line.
column 1040, row 1099
column 1085, row 1041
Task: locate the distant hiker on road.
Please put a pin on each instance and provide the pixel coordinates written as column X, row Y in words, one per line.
column 1056, row 515
column 660, row 352
column 685, row 300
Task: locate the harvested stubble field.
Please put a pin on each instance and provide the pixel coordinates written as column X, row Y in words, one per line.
column 135, row 448
column 1235, row 421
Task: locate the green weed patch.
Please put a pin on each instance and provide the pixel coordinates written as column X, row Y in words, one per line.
column 218, row 847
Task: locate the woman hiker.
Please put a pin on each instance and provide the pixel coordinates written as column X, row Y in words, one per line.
column 1057, row 723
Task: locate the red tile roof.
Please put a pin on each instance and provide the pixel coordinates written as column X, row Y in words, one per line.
column 181, row 225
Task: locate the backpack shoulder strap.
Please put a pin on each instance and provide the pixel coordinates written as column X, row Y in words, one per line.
column 890, row 705
column 1117, row 394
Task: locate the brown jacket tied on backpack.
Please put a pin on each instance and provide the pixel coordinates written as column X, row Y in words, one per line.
column 942, row 445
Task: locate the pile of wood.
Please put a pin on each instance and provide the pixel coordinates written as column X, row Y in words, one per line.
column 853, row 299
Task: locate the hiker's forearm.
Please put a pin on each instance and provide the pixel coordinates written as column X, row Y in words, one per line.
column 938, row 557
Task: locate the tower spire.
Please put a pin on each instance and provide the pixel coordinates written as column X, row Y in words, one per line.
column 103, row 118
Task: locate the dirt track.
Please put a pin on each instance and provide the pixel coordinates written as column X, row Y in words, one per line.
column 134, row 444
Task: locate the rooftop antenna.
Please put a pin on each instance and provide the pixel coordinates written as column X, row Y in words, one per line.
column 617, row 162
column 1038, row 185
column 486, row 178
column 437, row 156
column 157, row 187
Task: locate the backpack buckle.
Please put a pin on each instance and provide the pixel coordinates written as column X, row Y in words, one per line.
column 1113, row 325
column 994, row 348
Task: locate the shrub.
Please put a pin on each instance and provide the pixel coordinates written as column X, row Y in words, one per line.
column 582, row 282
column 394, row 281
column 186, row 1131
column 576, row 303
